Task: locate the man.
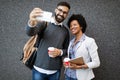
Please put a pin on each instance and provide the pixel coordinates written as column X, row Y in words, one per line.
column 54, row 35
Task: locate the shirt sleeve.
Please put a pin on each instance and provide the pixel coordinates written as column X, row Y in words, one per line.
column 66, row 43
column 92, row 49
column 31, row 31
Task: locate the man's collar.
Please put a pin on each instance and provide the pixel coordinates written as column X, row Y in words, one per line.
column 53, row 21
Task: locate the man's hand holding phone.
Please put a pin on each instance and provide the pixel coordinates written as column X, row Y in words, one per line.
column 34, row 13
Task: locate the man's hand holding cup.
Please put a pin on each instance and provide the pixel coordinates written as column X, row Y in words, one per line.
column 53, row 52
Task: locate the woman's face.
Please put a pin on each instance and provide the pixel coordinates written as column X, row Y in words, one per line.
column 75, row 28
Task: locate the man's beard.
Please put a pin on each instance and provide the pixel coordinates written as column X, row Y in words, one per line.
column 59, row 18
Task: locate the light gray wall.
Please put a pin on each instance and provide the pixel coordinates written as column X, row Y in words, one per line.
column 102, row 16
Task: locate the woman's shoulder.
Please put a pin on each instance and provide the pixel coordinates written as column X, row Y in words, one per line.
column 89, row 39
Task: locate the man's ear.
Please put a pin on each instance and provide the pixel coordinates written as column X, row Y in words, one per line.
column 55, row 10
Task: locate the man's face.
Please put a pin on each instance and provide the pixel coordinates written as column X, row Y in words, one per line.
column 61, row 13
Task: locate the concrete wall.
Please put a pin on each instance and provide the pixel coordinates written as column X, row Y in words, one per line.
column 103, row 18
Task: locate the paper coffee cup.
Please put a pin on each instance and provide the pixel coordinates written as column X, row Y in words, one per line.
column 50, row 49
column 66, row 61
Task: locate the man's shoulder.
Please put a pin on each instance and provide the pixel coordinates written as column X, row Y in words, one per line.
column 65, row 27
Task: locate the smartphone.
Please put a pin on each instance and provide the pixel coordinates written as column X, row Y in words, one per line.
column 46, row 16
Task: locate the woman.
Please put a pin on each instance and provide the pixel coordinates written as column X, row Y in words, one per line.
column 81, row 46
